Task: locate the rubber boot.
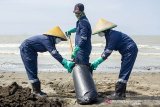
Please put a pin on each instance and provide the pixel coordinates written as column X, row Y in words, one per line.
column 120, row 92
column 37, row 90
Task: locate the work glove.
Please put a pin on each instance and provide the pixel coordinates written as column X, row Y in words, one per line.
column 68, row 65
column 68, row 33
column 96, row 62
column 74, row 53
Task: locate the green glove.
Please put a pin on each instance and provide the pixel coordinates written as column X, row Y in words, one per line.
column 68, row 33
column 68, row 65
column 96, row 62
column 74, row 53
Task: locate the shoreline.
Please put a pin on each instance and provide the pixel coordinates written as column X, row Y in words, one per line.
column 141, row 88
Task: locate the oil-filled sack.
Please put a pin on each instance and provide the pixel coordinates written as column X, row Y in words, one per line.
column 85, row 89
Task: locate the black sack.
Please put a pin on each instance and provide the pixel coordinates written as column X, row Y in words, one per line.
column 85, row 89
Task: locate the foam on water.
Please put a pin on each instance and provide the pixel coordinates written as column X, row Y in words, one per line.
column 9, row 45
column 99, row 45
column 13, row 48
column 15, row 45
column 16, row 52
column 148, row 47
column 148, row 55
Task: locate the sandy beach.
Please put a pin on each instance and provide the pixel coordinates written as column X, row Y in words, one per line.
column 143, row 88
column 87, row 30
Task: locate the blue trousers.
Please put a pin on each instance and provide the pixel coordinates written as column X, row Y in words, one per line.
column 127, row 63
column 29, row 58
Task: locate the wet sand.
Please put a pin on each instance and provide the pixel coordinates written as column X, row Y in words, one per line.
column 143, row 89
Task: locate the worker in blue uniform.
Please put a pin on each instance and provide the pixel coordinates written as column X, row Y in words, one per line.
column 42, row 43
column 117, row 41
column 83, row 31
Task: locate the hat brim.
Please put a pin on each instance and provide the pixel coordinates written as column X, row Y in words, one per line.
column 96, row 32
column 56, row 37
column 56, row 32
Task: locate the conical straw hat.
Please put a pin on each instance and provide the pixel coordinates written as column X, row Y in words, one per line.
column 103, row 25
column 57, row 32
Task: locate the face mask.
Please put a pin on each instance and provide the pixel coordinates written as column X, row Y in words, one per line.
column 57, row 40
column 79, row 15
column 101, row 34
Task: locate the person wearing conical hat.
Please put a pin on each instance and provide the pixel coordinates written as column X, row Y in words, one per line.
column 117, row 41
column 41, row 43
column 83, row 32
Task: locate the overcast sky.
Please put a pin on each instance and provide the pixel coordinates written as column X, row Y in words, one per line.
column 134, row 17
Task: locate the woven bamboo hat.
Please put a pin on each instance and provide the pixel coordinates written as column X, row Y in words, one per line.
column 57, row 32
column 103, row 25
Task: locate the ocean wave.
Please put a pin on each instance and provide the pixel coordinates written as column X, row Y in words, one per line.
column 15, row 45
column 9, row 45
column 148, row 47
column 11, row 52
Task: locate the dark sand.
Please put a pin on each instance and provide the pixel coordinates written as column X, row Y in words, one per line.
column 143, row 90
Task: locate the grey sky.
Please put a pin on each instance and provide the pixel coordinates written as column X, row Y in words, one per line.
column 134, row 17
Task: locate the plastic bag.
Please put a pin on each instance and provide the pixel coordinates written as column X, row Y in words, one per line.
column 85, row 89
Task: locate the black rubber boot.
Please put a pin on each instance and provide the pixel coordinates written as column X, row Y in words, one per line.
column 37, row 90
column 120, row 92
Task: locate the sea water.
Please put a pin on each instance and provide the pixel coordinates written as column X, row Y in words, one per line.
column 148, row 58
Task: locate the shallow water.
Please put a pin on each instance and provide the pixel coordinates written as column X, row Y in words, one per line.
column 147, row 60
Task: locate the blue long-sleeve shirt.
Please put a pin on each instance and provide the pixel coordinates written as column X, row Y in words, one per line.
column 42, row 43
column 83, row 39
column 117, row 41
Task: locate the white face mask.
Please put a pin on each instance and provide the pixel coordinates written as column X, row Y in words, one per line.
column 57, row 40
column 101, row 34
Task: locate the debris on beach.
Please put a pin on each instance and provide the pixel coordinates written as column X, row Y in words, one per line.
column 17, row 96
